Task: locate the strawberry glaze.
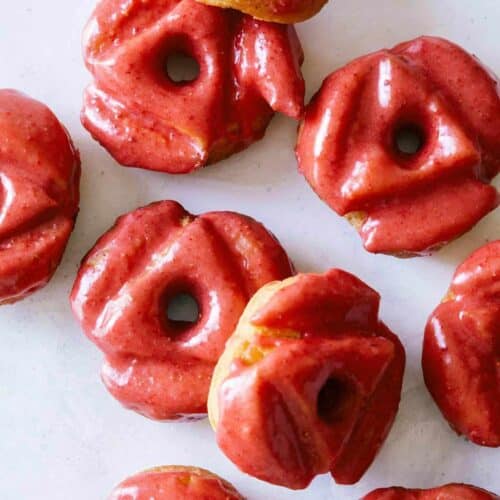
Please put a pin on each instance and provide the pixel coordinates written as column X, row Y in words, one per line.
column 461, row 355
column 39, row 194
column 405, row 203
column 175, row 483
column 321, row 389
column 448, row 492
column 155, row 366
column 248, row 70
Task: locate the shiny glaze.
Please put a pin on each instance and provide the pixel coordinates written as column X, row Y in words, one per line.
column 175, row 483
column 293, row 338
column 447, row 492
column 155, row 366
column 461, row 355
column 248, row 70
column 39, row 194
column 402, row 203
column 278, row 11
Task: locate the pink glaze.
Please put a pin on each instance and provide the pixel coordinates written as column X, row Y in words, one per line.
column 39, row 182
column 461, row 356
column 448, row 492
column 175, row 483
column 159, row 368
column 322, row 402
column 406, row 203
column 248, row 70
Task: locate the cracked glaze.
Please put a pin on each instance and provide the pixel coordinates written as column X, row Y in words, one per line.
column 248, row 70
column 155, row 366
column 461, row 355
column 39, row 194
column 402, row 203
column 310, row 381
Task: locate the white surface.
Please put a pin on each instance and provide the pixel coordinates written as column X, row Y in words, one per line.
column 61, row 435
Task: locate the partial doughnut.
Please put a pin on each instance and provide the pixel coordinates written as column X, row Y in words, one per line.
column 309, row 382
column 39, row 194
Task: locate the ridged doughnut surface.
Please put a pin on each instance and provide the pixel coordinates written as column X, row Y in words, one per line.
column 39, row 194
column 247, row 70
column 461, row 355
column 412, row 198
column 154, row 365
column 175, row 483
column 309, row 382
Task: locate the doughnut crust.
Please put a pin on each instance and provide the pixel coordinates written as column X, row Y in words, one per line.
column 39, row 194
column 155, row 365
column 277, row 11
column 309, row 382
column 404, row 200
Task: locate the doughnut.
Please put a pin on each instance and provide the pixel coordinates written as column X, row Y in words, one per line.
column 461, row 349
column 135, row 108
column 309, row 382
column 175, row 483
column 39, row 194
column 277, row 11
column 404, row 143
column 154, row 364
column 448, row 492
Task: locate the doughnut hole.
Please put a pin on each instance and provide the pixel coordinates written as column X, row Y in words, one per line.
column 180, row 312
column 409, row 139
column 178, row 62
column 335, row 400
column 182, row 68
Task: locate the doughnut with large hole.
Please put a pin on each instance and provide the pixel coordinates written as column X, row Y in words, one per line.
column 157, row 365
column 145, row 117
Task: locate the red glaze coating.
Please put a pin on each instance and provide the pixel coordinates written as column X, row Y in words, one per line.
column 461, row 355
column 448, row 492
column 157, row 367
column 175, row 483
column 39, row 194
column 278, row 418
column 403, row 203
column 248, row 70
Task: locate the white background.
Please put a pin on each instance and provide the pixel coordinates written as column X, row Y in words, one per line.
column 62, row 437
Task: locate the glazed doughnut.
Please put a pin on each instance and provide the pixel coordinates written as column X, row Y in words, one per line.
column 175, row 483
column 309, row 382
column 248, row 70
column 462, row 349
column 277, row 11
column 39, row 194
column 406, row 200
column 448, row 492
column 154, row 365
